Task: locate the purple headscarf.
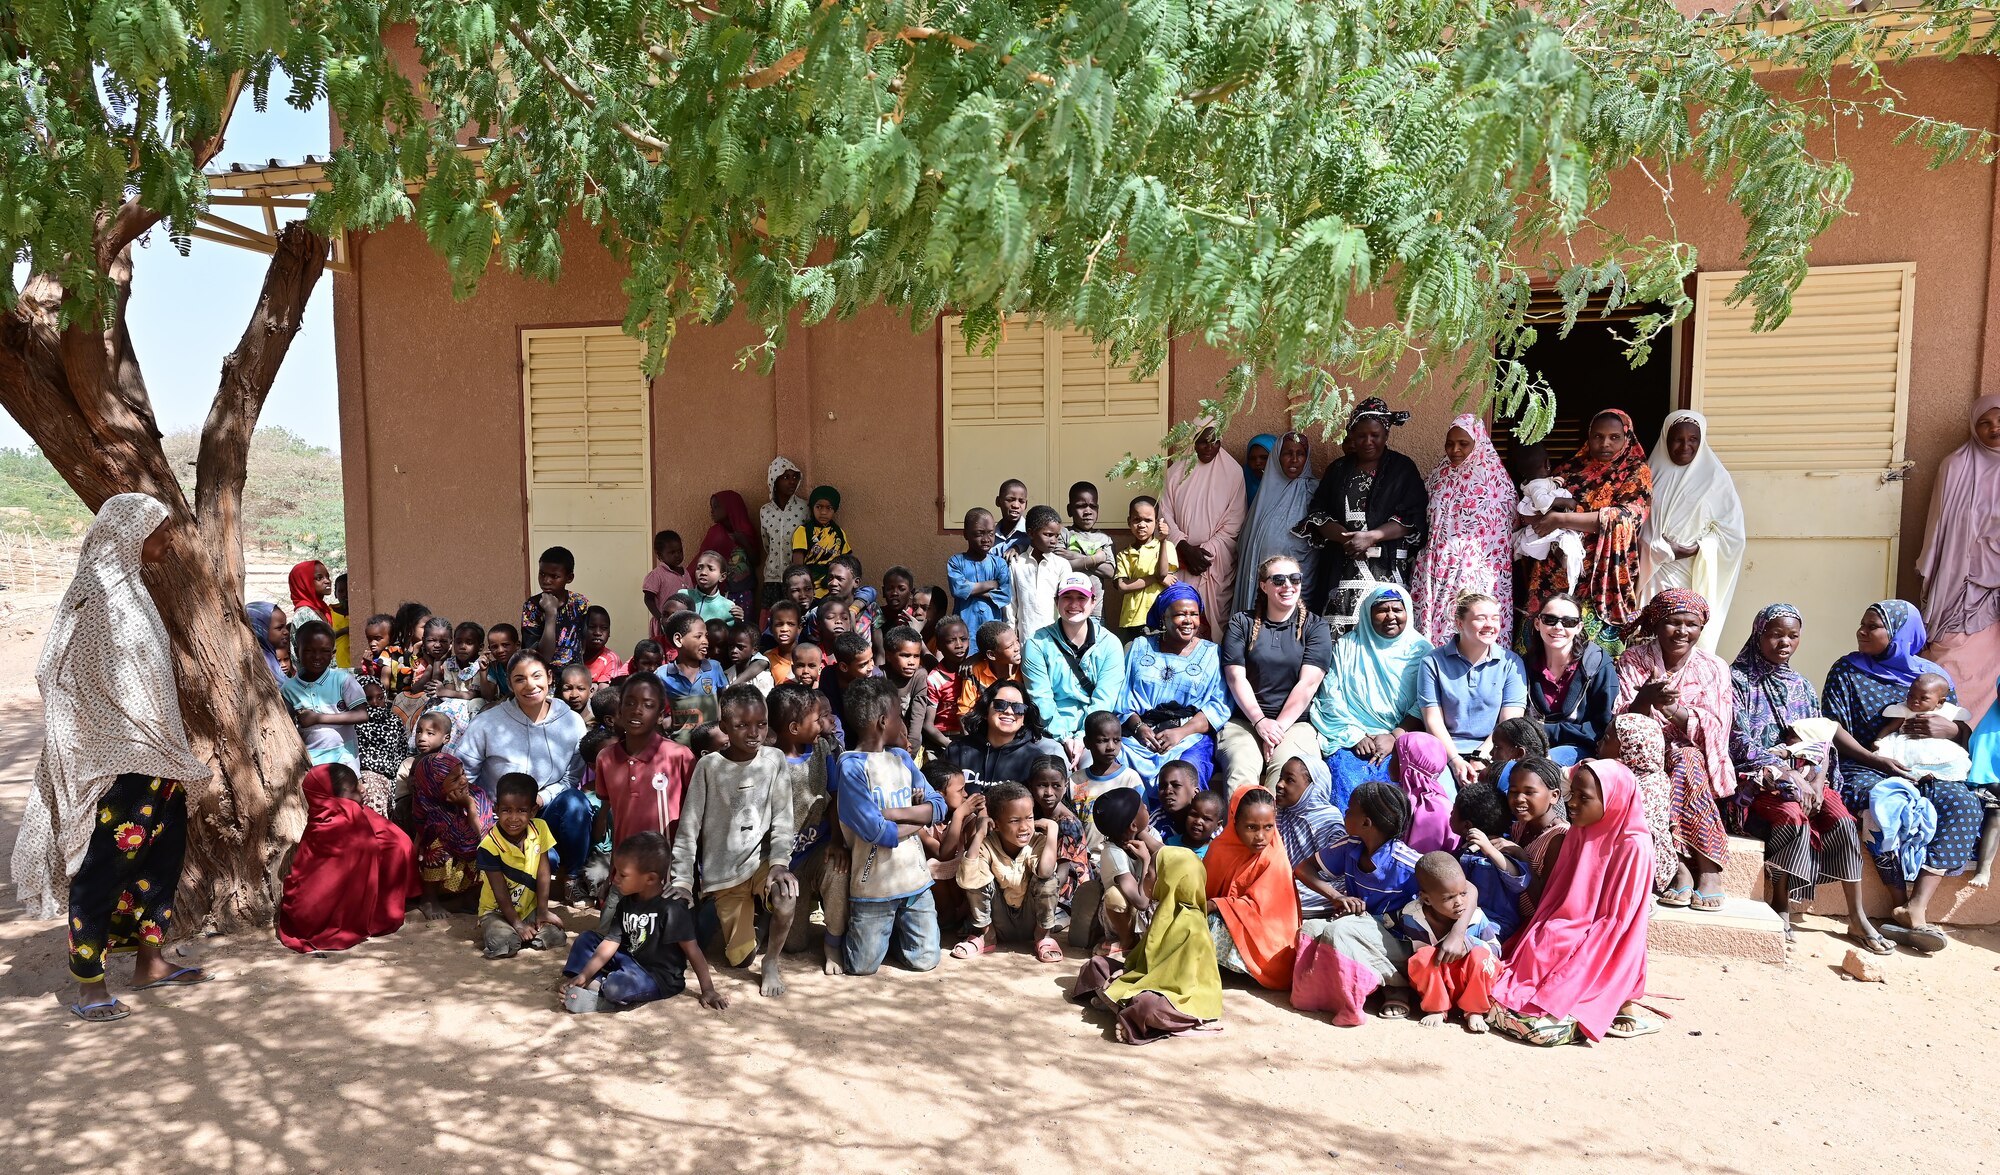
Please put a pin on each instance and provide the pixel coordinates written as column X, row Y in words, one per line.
column 1899, row 665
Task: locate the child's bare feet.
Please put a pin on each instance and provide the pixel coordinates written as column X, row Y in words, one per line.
column 1981, row 879
column 773, row 984
column 1430, row 1019
column 1475, row 1023
column 830, row 965
column 432, row 911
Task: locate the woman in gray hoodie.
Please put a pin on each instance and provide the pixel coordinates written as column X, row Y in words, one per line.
column 535, row 734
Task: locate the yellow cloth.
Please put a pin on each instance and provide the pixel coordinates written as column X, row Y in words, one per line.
column 343, row 655
column 1177, row 956
column 517, row 864
column 1142, row 562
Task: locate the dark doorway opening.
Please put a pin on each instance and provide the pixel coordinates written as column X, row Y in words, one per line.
column 1589, row 372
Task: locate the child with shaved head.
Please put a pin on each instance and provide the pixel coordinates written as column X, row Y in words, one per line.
column 1457, row 955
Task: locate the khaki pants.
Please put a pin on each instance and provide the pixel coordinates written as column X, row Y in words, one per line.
column 829, row 887
column 1240, row 761
column 1032, row 919
column 736, row 909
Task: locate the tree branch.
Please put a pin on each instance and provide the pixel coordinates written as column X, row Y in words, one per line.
column 636, row 137
column 132, row 219
column 247, row 375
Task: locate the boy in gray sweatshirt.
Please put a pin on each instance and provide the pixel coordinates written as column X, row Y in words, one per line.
column 735, row 836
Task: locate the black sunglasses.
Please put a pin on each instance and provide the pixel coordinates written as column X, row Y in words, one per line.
column 1009, row 707
column 1560, row 621
column 1285, row 579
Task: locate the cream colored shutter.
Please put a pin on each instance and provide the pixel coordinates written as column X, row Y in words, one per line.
column 587, row 407
column 1809, row 420
column 1105, row 415
column 996, row 422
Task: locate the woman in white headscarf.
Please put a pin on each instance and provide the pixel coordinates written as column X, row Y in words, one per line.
column 105, row 829
column 1695, row 533
column 1288, row 487
column 776, row 520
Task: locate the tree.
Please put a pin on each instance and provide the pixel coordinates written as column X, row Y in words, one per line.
column 1239, row 169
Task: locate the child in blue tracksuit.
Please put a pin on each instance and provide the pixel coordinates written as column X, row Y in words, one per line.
column 883, row 803
column 981, row 583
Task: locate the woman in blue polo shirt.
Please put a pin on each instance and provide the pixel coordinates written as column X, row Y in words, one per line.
column 1470, row 685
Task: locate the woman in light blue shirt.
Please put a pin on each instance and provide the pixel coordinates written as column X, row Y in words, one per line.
column 1471, row 685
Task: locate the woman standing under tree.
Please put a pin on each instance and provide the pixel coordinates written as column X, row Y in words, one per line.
column 1368, row 512
column 1202, row 510
column 1960, row 562
column 105, row 830
column 1695, row 530
column 1466, row 547
column 1287, row 491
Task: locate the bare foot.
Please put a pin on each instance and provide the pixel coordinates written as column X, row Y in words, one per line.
column 1432, row 1019
column 1475, row 1023
column 774, row 984
column 831, row 966
column 1981, row 879
column 432, row 911
column 1902, row 916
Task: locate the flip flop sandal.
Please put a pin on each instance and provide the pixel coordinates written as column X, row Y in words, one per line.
column 972, row 948
column 179, row 978
column 1676, row 898
column 1395, row 1007
column 114, row 1011
column 1047, row 950
column 1927, row 939
column 1713, row 902
column 1874, row 946
column 1636, row 1026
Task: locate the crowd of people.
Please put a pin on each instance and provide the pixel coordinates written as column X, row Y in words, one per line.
column 1433, row 745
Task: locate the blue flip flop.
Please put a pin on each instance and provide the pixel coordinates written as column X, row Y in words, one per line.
column 176, row 980
column 83, row 1012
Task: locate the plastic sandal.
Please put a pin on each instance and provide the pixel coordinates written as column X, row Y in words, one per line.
column 1047, row 950
column 1639, row 1026
column 83, row 1012
column 179, row 978
column 973, row 947
column 1676, row 898
column 1699, row 897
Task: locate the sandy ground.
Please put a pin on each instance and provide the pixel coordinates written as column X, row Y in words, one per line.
column 413, row 1054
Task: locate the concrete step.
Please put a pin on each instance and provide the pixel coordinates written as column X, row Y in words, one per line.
column 1743, row 876
column 1742, row 929
column 1956, row 903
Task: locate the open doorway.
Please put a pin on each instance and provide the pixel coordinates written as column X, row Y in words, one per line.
column 1589, row 373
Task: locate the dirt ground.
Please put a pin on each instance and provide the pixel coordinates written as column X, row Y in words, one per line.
column 412, row 1053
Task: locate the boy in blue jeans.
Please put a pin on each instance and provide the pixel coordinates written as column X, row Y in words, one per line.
column 883, row 803
column 652, row 942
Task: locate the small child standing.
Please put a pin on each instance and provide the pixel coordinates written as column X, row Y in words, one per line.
column 1012, row 503
column 1479, row 818
column 954, row 642
column 1457, row 948
column 641, row 776
column 736, row 837
column 1933, row 758
column 853, row 661
column 819, row 856
column 819, row 542
column 1009, row 876
column 667, row 579
column 552, row 622
column 650, row 941
column 1038, row 568
column 1102, row 771
column 1144, row 569
column 981, row 585
column 999, row 659
column 705, row 596
column 1087, row 548
column 884, row 804
column 513, row 859
column 343, row 655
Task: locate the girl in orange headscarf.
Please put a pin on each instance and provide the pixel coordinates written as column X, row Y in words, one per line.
column 1253, row 909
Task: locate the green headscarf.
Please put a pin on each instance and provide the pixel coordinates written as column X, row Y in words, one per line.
column 1373, row 680
column 1177, row 957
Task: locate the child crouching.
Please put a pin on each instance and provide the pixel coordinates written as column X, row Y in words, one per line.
column 1457, row 955
column 513, row 859
column 1009, row 875
column 650, row 940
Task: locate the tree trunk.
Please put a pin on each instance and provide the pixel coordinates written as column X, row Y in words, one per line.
column 77, row 390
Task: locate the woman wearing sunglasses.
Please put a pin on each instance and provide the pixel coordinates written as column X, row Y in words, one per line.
column 1572, row 684
column 1274, row 657
column 1002, row 735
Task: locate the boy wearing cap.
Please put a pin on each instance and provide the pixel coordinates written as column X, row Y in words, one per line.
column 1075, row 665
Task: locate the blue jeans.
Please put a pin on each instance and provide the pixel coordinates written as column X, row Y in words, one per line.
column 622, row 981
column 908, row 924
column 1566, row 755
column 569, row 816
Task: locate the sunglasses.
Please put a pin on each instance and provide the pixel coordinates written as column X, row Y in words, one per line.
column 1009, row 707
column 1555, row 621
column 1285, row 579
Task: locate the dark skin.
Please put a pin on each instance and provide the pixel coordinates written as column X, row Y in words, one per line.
column 315, row 658
column 638, row 724
column 979, row 538
column 1534, row 806
column 632, row 881
column 554, row 580
column 1676, row 633
column 1196, row 559
column 1683, row 443
column 512, row 814
column 743, row 725
column 1608, row 438
column 1586, row 807
column 1183, row 629
column 1390, row 618
column 1367, row 441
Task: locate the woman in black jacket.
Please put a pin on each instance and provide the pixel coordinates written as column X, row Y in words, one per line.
column 1002, row 735
column 1572, row 684
column 1368, row 514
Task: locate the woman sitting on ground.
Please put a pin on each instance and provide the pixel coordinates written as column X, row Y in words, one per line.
column 1174, row 697
column 1001, row 738
column 535, row 734
column 1809, row 836
column 1273, row 660
column 1572, row 684
column 1861, row 685
column 352, row 873
column 1170, row 983
column 1666, row 676
column 1370, row 692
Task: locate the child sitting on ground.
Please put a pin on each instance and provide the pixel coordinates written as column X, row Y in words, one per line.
column 1048, row 782
column 1456, row 955
column 379, row 746
column 650, row 940
column 1479, row 818
column 1101, row 771
column 1144, row 569
column 820, row 541
column 513, row 860
column 1541, row 494
column 999, row 659
column 801, row 588
column 574, row 687
column 844, row 587
column 345, row 785
column 597, row 658
column 1009, row 876
column 736, row 837
column 1927, row 758
column 896, row 601
column 502, row 642
column 1201, row 823
column 1124, row 860
column 945, row 844
column 952, row 643
column 981, row 585
column 1369, row 875
column 1534, row 792
column 853, row 661
column 884, row 804
column 785, row 626
column 819, row 857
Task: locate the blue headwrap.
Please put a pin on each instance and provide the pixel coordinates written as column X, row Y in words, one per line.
column 1252, row 478
column 1899, row 664
column 257, row 614
column 1156, row 616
